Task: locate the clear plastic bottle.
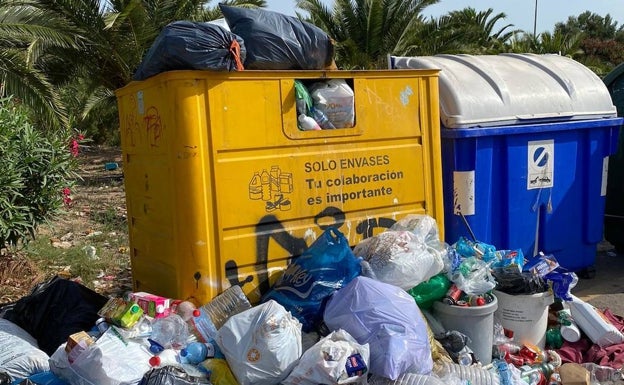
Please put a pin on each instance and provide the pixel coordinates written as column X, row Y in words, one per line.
column 601, row 373
column 231, row 301
column 167, row 332
column 322, row 120
column 406, row 379
column 475, row 374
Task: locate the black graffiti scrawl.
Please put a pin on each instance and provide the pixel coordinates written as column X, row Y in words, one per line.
column 270, row 227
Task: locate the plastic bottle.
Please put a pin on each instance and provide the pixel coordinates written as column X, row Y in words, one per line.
column 475, row 374
column 185, row 309
column 322, row 120
column 406, row 379
column 164, row 358
column 569, row 331
column 307, row 123
column 170, row 331
column 594, row 323
column 196, row 352
column 603, row 373
column 201, row 326
column 231, row 301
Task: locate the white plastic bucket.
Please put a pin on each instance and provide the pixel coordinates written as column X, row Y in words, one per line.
column 526, row 315
column 477, row 322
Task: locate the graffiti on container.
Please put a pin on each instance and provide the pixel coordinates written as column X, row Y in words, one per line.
column 129, row 123
column 153, row 126
column 269, row 227
column 271, row 187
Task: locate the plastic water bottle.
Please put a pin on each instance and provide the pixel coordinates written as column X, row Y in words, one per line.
column 166, row 357
column 321, row 118
column 475, row 374
column 405, row 379
column 197, row 352
column 170, row 331
column 232, row 301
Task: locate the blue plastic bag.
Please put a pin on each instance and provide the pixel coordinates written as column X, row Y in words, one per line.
column 328, row 265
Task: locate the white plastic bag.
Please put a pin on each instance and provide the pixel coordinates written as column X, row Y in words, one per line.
column 387, row 318
column 261, row 344
column 335, row 98
column 20, row 357
column 108, row 361
column 399, row 258
column 325, row 362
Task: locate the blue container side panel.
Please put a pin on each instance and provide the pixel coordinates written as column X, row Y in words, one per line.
column 565, row 220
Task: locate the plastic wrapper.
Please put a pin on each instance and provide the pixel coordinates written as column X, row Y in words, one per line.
column 386, row 318
column 562, row 283
column 328, row 264
column 275, row 41
column 327, row 362
column 473, row 276
column 187, row 45
column 262, row 344
column 398, row 258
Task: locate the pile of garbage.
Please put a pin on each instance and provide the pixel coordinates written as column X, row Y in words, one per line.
column 400, row 307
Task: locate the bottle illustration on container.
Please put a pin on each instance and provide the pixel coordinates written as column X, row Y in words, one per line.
column 274, row 177
column 255, row 187
column 272, row 187
column 265, row 183
column 286, row 182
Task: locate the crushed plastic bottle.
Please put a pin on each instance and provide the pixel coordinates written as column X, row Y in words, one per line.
column 168, row 332
column 603, row 373
column 475, row 374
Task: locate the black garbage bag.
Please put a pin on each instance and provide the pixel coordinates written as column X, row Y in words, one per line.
column 187, row 45
column 514, row 282
column 275, row 41
column 171, row 375
column 54, row 310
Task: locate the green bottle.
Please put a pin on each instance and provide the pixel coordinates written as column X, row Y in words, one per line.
column 426, row 293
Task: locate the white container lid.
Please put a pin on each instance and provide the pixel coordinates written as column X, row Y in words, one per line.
column 511, row 89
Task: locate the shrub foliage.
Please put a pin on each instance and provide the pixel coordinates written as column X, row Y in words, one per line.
column 37, row 168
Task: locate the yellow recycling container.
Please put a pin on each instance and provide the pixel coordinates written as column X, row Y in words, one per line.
column 223, row 189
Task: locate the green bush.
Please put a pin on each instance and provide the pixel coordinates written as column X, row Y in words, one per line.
column 37, row 169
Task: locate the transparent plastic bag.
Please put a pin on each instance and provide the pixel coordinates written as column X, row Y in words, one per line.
column 398, row 258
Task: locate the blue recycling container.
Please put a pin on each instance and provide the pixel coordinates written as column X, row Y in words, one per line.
column 537, row 187
column 526, row 141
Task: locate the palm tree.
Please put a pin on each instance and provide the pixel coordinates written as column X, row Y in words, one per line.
column 477, row 30
column 366, row 31
column 95, row 51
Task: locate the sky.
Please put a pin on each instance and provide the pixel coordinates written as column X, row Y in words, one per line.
column 520, row 13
